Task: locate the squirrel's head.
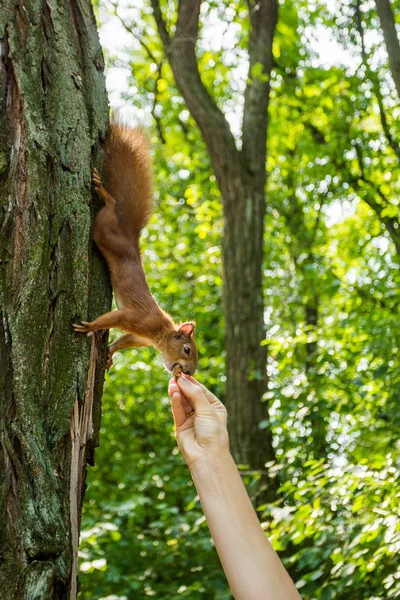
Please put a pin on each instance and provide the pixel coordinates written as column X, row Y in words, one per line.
column 181, row 349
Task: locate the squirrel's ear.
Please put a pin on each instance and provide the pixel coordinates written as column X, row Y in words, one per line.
column 188, row 328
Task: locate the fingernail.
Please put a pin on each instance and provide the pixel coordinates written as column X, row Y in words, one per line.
column 184, row 382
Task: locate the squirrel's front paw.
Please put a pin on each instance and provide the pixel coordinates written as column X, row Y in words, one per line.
column 83, row 327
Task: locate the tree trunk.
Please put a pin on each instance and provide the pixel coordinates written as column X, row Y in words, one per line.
column 53, row 113
column 388, row 25
column 245, row 330
column 318, row 419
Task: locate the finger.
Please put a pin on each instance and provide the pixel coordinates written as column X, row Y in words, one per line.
column 193, row 380
column 194, row 394
column 187, row 407
column 178, row 411
column 173, row 388
column 220, row 408
column 209, row 395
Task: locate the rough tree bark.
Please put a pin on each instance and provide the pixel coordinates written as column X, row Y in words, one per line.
column 388, row 25
column 53, row 114
column 241, row 177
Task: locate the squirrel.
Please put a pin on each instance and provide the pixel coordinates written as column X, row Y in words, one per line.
column 128, row 199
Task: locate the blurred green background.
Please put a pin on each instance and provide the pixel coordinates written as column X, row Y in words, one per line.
column 330, row 246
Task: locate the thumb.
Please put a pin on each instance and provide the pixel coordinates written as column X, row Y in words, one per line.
column 195, row 394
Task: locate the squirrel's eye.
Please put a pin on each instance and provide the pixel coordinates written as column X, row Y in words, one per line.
column 187, row 350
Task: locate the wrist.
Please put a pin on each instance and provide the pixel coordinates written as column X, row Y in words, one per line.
column 211, row 464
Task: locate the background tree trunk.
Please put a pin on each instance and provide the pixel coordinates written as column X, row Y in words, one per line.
column 53, row 113
column 318, row 412
column 241, row 177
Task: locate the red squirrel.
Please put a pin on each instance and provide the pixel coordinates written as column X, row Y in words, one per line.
column 128, row 207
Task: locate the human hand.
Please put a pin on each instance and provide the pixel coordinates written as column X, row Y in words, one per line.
column 200, row 420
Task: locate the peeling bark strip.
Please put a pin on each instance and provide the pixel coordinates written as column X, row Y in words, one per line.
column 241, row 179
column 81, row 433
column 53, row 115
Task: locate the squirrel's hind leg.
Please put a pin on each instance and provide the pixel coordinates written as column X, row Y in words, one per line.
column 100, row 189
column 107, row 231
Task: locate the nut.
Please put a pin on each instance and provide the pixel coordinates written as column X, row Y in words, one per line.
column 177, row 371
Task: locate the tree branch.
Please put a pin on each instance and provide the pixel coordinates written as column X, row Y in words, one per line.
column 187, row 26
column 263, row 19
column 162, row 28
column 391, row 223
column 209, row 118
column 385, row 125
column 375, row 83
column 360, row 29
column 386, row 18
column 366, row 192
column 138, row 35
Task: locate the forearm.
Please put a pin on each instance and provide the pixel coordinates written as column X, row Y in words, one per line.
column 252, row 567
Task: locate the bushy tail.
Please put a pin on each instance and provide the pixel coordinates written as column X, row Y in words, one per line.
column 127, row 176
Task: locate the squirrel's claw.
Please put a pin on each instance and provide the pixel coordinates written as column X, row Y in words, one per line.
column 83, row 327
column 100, row 189
column 96, row 179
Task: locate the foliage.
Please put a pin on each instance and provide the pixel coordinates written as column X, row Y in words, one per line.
column 340, row 527
column 331, row 303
